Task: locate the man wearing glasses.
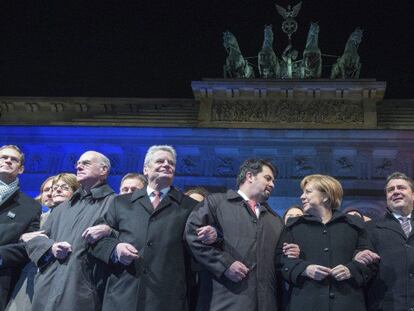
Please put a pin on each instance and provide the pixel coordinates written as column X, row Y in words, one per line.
column 65, row 280
column 18, row 214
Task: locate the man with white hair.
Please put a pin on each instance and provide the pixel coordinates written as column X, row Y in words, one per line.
column 148, row 261
column 65, row 280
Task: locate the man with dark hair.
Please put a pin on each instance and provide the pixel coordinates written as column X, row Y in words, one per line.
column 131, row 182
column 392, row 239
column 18, row 214
column 148, row 260
column 240, row 271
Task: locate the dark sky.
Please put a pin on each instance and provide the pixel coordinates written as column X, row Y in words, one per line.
column 155, row 48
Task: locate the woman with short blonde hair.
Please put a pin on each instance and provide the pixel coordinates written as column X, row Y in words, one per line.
column 324, row 277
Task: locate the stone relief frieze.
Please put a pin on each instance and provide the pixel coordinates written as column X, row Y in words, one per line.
column 288, row 111
column 383, row 167
column 225, row 166
column 189, row 165
column 302, row 166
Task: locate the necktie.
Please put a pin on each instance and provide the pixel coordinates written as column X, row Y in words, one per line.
column 252, row 204
column 405, row 225
column 157, row 199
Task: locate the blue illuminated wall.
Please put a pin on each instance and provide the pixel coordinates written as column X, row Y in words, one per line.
column 210, row 157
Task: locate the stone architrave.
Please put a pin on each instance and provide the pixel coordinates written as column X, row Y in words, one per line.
column 340, row 104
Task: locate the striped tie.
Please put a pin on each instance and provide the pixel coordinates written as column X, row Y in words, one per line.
column 157, row 199
column 405, row 225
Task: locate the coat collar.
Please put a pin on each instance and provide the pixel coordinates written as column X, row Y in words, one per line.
column 11, row 197
column 98, row 192
column 391, row 223
column 232, row 195
column 141, row 195
column 337, row 216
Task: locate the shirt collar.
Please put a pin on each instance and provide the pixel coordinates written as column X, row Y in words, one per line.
column 398, row 216
column 243, row 195
column 163, row 191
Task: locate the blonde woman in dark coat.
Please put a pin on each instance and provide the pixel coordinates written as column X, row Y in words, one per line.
column 324, row 277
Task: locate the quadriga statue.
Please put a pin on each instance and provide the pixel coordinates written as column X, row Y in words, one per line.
column 348, row 65
column 267, row 61
column 236, row 65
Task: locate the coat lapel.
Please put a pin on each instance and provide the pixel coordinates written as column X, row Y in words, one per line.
column 141, row 198
column 392, row 224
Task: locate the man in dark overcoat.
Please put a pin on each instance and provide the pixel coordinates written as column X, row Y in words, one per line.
column 239, row 268
column 67, row 278
column 393, row 241
column 148, row 260
column 18, row 214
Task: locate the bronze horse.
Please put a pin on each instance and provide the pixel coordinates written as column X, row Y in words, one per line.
column 236, row 65
column 348, row 65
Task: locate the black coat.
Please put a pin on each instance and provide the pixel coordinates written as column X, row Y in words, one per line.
column 244, row 238
column 18, row 214
column 69, row 284
column 393, row 287
column 158, row 280
column 329, row 245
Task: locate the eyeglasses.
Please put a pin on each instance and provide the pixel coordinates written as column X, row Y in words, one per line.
column 63, row 187
column 85, row 163
column 12, row 159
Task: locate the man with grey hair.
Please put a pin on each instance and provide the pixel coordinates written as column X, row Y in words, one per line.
column 131, row 182
column 66, row 277
column 148, row 260
column 18, row 214
column 392, row 239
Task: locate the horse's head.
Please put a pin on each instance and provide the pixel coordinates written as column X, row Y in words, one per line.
column 312, row 40
column 268, row 36
column 314, row 28
column 230, row 41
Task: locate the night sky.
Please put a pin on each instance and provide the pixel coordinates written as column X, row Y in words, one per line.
column 156, row 48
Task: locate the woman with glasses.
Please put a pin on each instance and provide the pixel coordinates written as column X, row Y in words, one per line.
column 324, row 277
column 62, row 187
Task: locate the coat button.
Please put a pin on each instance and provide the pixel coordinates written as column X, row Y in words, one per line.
column 286, row 269
column 326, row 249
column 254, row 220
column 149, row 243
column 331, row 295
column 411, row 275
column 144, row 271
column 324, row 231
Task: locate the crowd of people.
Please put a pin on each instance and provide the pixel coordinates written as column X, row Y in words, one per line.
column 80, row 246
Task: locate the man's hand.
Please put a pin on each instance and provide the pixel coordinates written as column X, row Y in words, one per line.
column 25, row 237
column 61, row 249
column 95, row 233
column 341, row 273
column 126, row 253
column 236, row 272
column 291, row 250
column 366, row 257
column 316, row 272
column 207, row 234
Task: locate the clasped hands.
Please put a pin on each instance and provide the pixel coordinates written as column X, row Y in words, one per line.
column 318, row 272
